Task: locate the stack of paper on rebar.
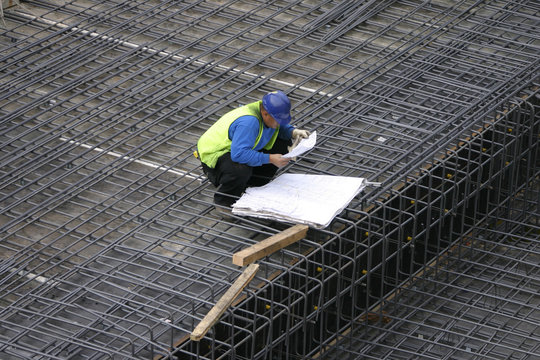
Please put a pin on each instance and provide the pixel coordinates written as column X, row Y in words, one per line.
column 300, row 198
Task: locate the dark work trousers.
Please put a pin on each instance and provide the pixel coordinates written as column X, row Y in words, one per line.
column 232, row 178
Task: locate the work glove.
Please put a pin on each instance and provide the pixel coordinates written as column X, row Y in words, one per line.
column 301, row 134
column 297, row 135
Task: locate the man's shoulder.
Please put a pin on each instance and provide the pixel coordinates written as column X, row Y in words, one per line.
column 247, row 120
column 246, row 125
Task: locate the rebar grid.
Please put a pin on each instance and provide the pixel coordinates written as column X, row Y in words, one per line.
column 479, row 300
column 110, row 245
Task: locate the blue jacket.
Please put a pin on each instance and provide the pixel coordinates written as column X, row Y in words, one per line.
column 244, row 131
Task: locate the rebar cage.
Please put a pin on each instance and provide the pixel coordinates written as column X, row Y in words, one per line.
column 110, row 244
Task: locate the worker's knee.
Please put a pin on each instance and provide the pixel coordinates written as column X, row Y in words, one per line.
column 231, row 171
column 241, row 172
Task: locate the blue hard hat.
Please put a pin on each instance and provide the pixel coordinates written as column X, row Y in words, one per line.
column 278, row 105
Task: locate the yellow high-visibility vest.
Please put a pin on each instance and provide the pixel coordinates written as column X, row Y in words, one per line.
column 215, row 141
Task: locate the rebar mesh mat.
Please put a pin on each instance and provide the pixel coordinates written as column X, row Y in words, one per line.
column 478, row 300
column 109, row 243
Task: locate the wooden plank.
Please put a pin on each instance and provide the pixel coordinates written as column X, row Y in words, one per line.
column 270, row 245
column 224, row 302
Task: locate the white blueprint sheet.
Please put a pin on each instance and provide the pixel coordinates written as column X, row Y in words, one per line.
column 303, row 146
column 300, row 198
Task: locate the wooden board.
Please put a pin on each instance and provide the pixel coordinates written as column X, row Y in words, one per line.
column 270, row 245
column 224, row 302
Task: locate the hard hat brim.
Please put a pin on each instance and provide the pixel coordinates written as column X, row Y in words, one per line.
column 282, row 121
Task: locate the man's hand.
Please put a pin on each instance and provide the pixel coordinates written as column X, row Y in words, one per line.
column 297, row 133
column 278, row 160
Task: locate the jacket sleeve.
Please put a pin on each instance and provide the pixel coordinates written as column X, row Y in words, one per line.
column 243, row 133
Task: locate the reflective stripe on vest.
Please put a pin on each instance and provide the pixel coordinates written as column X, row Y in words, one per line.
column 215, row 141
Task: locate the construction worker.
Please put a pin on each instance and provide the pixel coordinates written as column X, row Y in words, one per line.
column 245, row 146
